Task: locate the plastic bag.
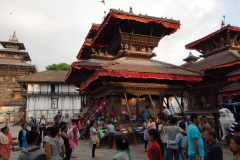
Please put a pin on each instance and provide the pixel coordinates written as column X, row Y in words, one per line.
column 101, row 134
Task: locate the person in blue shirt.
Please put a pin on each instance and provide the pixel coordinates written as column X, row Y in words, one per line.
column 194, row 148
column 110, row 131
column 145, row 114
column 213, row 150
column 181, row 139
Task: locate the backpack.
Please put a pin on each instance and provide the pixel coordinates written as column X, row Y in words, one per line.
column 35, row 154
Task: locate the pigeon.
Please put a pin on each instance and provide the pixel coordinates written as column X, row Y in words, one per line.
column 103, row 1
column 11, row 13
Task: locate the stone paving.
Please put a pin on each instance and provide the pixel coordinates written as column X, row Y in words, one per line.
column 84, row 150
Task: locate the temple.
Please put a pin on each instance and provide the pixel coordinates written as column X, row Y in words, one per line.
column 13, row 65
column 115, row 66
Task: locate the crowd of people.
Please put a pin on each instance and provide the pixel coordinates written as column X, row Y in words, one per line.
column 166, row 139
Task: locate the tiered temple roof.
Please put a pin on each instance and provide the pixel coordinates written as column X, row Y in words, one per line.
column 120, row 49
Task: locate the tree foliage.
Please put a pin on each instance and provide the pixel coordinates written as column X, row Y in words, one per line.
column 60, row 66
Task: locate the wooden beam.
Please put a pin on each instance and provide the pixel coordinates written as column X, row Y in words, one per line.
column 152, row 104
column 160, row 104
column 180, row 106
column 129, row 115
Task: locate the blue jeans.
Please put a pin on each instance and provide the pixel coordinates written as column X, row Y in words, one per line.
column 165, row 150
column 181, row 150
column 171, row 152
column 194, row 157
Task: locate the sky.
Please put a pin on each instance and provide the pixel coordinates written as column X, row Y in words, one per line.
column 53, row 31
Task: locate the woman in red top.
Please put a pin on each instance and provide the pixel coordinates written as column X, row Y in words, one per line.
column 155, row 150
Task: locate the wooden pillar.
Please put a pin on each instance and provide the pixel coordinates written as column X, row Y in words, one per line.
column 137, row 107
column 112, row 102
column 168, row 102
column 160, row 105
column 216, row 122
column 129, row 115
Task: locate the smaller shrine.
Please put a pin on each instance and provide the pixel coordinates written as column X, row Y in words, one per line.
column 14, row 64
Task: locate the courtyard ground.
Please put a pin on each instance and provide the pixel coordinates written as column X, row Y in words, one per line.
column 84, row 150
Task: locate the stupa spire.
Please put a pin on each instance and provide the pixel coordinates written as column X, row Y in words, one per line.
column 13, row 37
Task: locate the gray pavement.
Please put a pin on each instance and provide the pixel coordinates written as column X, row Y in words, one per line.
column 84, row 150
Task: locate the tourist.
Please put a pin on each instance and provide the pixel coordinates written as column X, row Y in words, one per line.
column 122, row 147
column 183, row 119
column 65, row 119
column 42, row 126
column 180, row 139
column 46, row 138
column 36, row 129
column 204, row 123
column 145, row 114
column 145, row 132
column 235, row 147
column 167, row 113
column 22, row 136
column 213, row 150
column 237, row 130
column 163, row 136
column 32, row 151
column 237, row 121
column 54, row 145
column 150, row 123
column 75, row 136
column 172, row 131
column 87, row 128
column 66, row 139
column 80, row 126
column 110, row 131
column 93, row 137
column 57, row 118
column 194, row 139
column 156, row 149
column 5, row 143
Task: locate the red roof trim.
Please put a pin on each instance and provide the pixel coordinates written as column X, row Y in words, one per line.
column 139, row 75
column 139, row 19
column 192, row 44
column 230, row 93
column 234, row 78
column 222, row 66
column 89, row 44
column 95, row 28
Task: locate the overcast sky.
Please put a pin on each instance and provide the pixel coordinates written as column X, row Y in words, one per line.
column 53, row 31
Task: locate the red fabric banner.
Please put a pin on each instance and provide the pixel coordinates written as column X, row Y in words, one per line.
column 139, row 75
column 230, row 93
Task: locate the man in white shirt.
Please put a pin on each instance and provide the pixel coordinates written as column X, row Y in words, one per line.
column 42, row 126
column 167, row 113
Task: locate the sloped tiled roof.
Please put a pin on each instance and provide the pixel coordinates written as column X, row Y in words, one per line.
column 45, row 76
column 215, row 60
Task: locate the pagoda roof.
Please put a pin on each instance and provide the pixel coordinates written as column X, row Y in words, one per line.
column 56, row 76
column 191, row 56
column 171, row 24
column 5, row 43
column 93, row 30
column 223, row 59
column 14, row 63
column 228, row 27
column 130, row 68
column 16, row 51
column 234, row 75
column 21, row 101
column 232, row 89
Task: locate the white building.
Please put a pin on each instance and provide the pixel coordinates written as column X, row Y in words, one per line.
column 47, row 93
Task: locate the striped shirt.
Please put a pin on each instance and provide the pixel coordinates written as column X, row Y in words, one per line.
column 232, row 127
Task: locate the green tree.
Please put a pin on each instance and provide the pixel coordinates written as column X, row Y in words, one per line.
column 60, row 66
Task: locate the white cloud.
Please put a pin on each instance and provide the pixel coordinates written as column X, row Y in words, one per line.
column 53, row 31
